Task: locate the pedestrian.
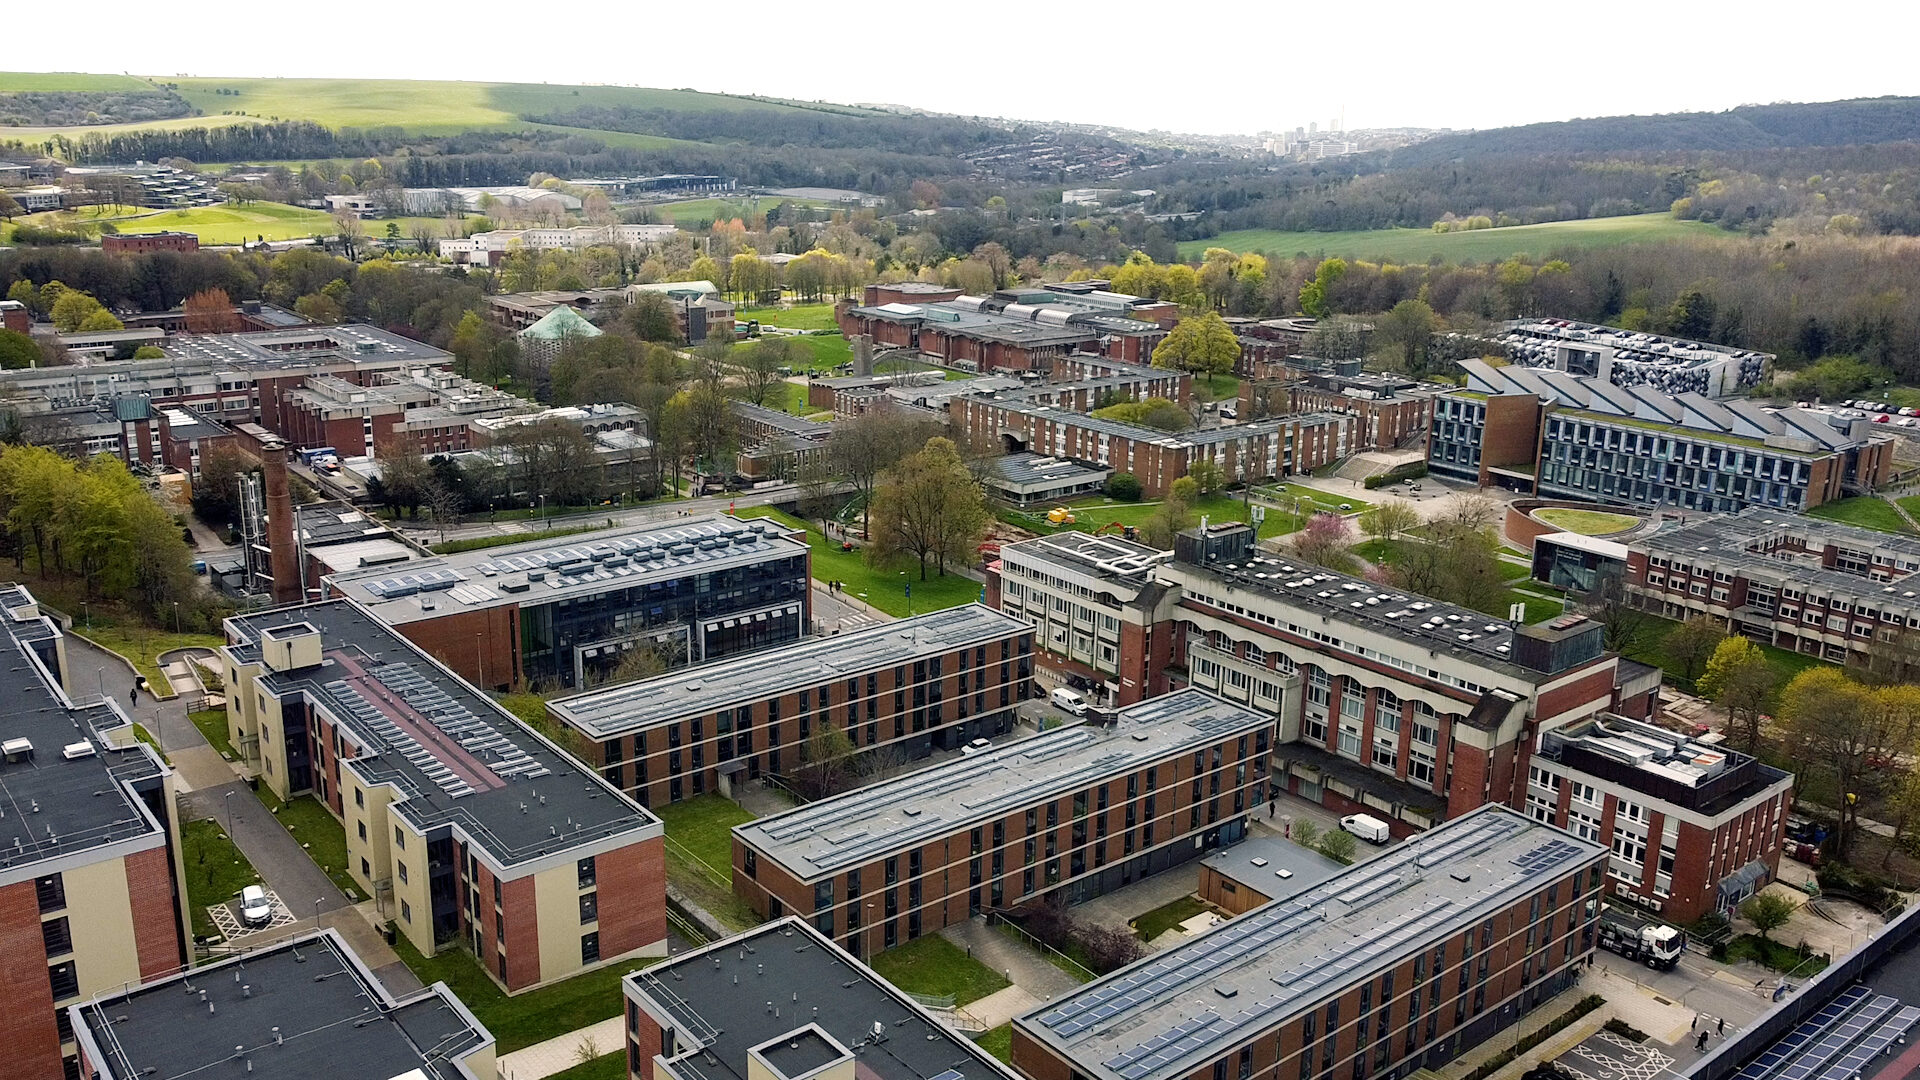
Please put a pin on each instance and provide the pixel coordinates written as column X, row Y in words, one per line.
column 133, row 697
column 1270, row 804
column 1701, row 1044
column 1695, row 1025
column 1721, row 1026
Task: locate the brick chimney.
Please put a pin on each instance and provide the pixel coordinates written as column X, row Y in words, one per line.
column 289, row 583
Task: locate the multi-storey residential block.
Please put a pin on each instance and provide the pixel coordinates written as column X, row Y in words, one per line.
column 1071, row 812
column 1399, row 963
column 1092, row 600
column 1017, row 329
column 562, row 612
column 783, row 1002
column 471, row 829
column 1388, row 411
column 1557, row 434
column 1817, row 587
column 91, row 894
column 1419, row 711
column 1261, row 450
column 934, row 681
column 308, row 1008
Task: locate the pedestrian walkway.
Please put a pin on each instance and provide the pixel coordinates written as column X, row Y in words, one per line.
column 1121, row 906
column 1000, row 1007
column 563, row 1052
column 1019, row 963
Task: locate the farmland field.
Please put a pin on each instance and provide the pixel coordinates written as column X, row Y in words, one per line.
column 690, row 210
column 1480, row 245
column 49, row 82
column 235, row 224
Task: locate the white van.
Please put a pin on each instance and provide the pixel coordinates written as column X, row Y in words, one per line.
column 1070, row 700
column 1367, row 827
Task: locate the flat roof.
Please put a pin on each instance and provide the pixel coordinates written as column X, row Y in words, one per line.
column 355, row 342
column 1154, row 436
column 1165, row 1016
column 1487, row 640
column 1112, row 557
column 1273, row 866
column 1582, row 542
column 457, row 757
column 811, row 661
column 74, row 804
column 559, row 568
column 1662, row 764
column 304, row 1009
column 1770, row 545
column 847, row 830
column 715, row 998
column 1032, row 468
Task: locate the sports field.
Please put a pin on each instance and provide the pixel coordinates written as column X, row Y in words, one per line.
column 690, row 210
column 1480, row 245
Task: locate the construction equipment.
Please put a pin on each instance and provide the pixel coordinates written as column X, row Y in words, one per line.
column 1060, row 515
column 1641, row 937
column 1126, row 531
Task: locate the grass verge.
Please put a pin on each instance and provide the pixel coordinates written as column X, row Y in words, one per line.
column 1866, row 511
column 213, row 724
column 216, row 870
column 933, row 966
column 475, row 543
column 524, row 1019
column 605, row 1067
column 998, row 1042
column 1774, row 955
column 704, row 826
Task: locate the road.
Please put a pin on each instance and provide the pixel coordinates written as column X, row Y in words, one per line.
column 1715, row 990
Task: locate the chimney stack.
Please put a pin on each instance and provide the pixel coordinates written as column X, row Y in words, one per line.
column 289, row 582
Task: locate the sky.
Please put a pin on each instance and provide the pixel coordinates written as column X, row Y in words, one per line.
column 1230, row 66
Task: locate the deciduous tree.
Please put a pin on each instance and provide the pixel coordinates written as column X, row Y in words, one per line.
column 1768, row 911
column 1326, row 541
column 1739, row 679
column 1388, row 519
column 929, row 507
column 1201, row 344
column 1692, row 643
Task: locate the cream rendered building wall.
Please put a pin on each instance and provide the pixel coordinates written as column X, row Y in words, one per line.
column 556, row 894
column 100, row 914
column 367, row 805
column 414, row 891
column 481, row 1063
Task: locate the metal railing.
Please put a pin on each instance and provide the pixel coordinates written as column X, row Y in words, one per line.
column 725, row 881
column 1059, row 959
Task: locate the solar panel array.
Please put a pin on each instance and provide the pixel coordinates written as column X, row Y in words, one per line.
column 408, row 584
column 1839, row 1042
column 474, row 735
column 369, row 716
column 1337, row 959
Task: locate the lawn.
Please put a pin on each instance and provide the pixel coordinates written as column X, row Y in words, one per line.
column 46, row 82
column 215, row 871
column 475, row 543
column 790, row 397
column 1911, row 504
column 1166, row 917
column 998, row 1042
column 932, row 966
column 142, row 645
column 703, row 825
column 318, row 831
column 1786, row 664
column 688, row 211
column 829, row 350
column 213, row 724
column 1586, row 522
column 1481, row 245
column 882, row 587
column 1775, row 955
column 232, row 223
column 1867, row 511
column 796, row 316
column 524, row 1019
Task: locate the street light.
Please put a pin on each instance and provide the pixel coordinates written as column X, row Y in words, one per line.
column 317, row 901
column 176, row 616
column 227, row 807
column 100, row 677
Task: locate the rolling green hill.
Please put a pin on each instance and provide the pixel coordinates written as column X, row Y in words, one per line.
column 416, row 106
column 1480, row 245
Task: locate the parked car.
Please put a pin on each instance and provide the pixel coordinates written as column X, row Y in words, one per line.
column 1069, row 700
column 255, row 908
column 977, row 746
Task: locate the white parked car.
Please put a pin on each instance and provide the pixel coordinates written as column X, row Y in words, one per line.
column 977, row 746
column 255, row 908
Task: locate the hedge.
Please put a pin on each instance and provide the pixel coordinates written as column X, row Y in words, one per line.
column 1413, row 471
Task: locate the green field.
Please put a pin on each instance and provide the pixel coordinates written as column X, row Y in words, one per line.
column 50, row 82
column 1481, row 245
column 1586, row 522
column 795, row 317
column 883, row 587
column 418, row 106
column 229, row 223
column 689, row 210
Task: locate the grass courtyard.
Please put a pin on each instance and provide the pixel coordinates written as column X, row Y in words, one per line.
column 1480, row 245
column 700, row 855
column 316, row 830
column 523, row 1019
column 884, row 587
column 932, row 966
column 792, row 316
column 216, row 870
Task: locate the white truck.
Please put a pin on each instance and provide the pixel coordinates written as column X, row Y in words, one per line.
column 1367, row 827
column 1641, row 937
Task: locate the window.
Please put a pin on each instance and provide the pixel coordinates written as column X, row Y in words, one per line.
column 65, row 980
column 399, row 838
column 51, row 891
column 589, row 907
column 360, row 799
column 406, row 912
column 366, row 871
column 57, row 935
column 589, row 873
column 401, row 869
column 590, row 948
column 362, row 829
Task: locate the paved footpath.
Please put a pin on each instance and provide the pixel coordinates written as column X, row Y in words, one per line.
column 563, row 1052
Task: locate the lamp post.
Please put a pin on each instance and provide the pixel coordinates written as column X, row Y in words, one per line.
column 226, row 807
column 176, row 616
column 88, row 615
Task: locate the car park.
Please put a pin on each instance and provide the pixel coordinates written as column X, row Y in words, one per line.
column 255, row 909
column 977, row 746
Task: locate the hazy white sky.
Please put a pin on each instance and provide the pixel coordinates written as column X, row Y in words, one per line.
column 1226, row 66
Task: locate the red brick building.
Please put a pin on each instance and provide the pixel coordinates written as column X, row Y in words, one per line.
column 141, row 243
column 1014, row 330
column 1388, row 412
column 1259, row 450
column 187, row 436
column 1071, row 812
column 931, row 682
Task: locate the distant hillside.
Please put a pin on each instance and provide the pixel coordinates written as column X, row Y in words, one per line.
column 1858, row 122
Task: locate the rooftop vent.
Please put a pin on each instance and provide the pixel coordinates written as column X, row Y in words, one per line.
column 73, row 751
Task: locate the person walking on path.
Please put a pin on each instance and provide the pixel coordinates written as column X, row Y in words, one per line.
column 1695, row 1025
column 133, row 696
column 1722, row 1026
column 1701, row 1043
